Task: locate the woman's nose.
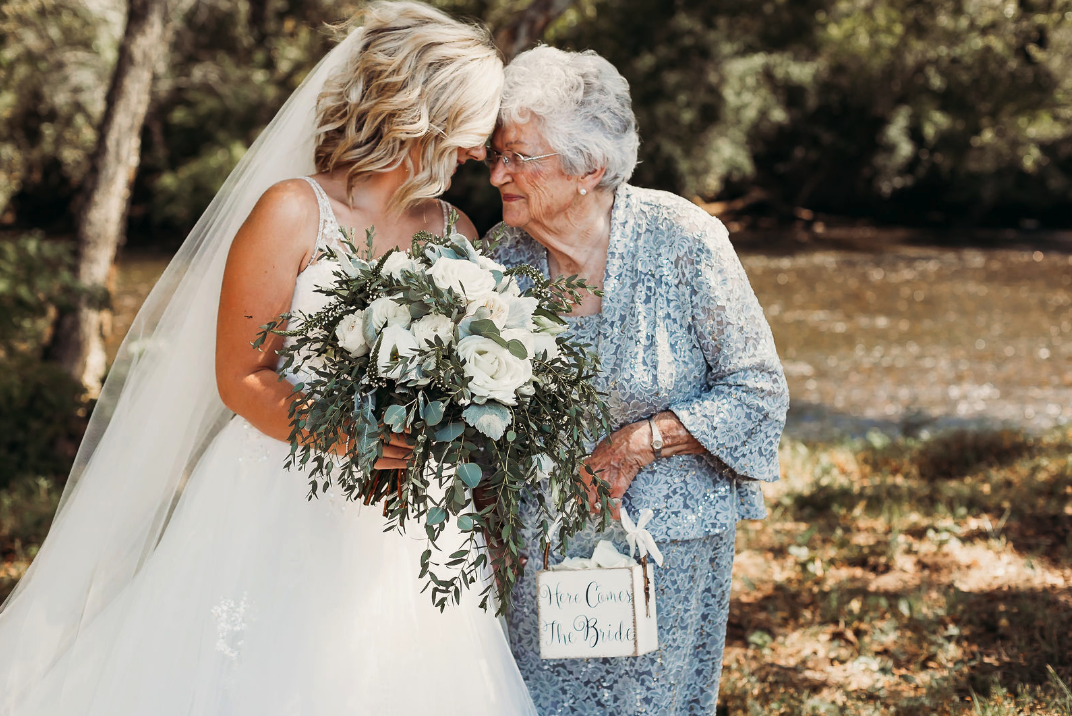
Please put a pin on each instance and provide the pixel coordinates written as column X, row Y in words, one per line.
column 499, row 175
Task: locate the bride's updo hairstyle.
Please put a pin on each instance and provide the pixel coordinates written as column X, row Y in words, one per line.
column 418, row 87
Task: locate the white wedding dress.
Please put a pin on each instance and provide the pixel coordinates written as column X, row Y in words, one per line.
column 258, row 602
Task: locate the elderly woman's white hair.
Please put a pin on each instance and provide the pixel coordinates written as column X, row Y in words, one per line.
column 582, row 106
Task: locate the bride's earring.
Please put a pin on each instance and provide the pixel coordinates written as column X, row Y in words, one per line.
column 583, row 191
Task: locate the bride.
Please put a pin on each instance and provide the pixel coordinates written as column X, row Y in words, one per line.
column 185, row 572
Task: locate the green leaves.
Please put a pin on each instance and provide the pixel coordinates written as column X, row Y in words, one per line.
column 484, row 327
column 450, row 432
column 395, row 416
column 470, row 474
column 433, row 412
column 436, row 515
column 517, row 349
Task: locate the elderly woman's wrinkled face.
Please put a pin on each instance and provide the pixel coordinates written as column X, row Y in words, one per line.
column 535, row 193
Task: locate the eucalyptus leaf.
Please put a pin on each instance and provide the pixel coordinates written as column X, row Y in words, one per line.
column 517, row 349
column 484, row 327
column 395, row 415
column 433, row 412
column 470, row 474
column 450, row 432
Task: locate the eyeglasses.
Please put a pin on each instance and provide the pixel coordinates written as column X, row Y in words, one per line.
column 512, row 160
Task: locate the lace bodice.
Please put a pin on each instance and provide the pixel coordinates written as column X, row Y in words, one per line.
column 318, row 273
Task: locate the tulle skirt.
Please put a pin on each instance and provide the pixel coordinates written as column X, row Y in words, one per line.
column 258, row 602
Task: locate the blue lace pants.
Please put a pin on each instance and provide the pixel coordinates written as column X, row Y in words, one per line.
column 693, row 595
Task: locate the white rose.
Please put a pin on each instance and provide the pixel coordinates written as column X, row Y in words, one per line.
column 511, row 288
column 497, row 305
column 351, row 334
column 398, row 262
column 488, row 264
column 546, row 325
column 464, row 277
column 432, row 325
column 384, row 311
column 396, row 342
column 496, row 374
column 545, row 342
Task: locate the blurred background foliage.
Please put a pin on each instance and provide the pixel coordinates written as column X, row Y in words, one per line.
column 944, row 113
column 43, row 409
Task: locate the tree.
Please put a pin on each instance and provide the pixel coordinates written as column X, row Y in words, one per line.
column 526, row 27
column 55, row 63
column 78, row 345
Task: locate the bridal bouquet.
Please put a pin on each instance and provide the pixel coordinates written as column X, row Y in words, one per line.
column 439, row 344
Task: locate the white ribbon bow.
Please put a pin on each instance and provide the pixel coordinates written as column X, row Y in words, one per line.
column 639, row 539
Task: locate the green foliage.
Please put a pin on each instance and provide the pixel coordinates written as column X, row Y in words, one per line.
column 941, row 112
column 55, row 64
column 43, row 415
column 908, row 110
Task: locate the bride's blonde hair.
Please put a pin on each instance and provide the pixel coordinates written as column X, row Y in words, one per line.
column 418, row 85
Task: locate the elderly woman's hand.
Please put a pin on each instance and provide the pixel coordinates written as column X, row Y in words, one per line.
column 618, row 459
column 628, row 450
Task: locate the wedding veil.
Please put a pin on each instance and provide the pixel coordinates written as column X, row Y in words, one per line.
column 157, row 412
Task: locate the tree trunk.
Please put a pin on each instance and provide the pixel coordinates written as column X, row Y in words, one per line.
column 526, row 28
column 78, row 344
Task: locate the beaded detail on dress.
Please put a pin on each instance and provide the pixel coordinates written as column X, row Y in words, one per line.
column 681, row 330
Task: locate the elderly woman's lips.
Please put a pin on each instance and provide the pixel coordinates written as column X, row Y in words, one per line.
column 511, row 197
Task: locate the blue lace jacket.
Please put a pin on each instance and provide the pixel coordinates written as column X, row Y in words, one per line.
column 681, row 330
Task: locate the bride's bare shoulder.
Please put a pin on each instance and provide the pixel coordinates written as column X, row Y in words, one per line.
column 291, row 201
column 285, row 216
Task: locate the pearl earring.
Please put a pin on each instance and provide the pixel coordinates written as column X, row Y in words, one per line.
column 583, row 191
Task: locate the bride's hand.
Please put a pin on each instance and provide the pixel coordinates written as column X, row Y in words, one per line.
column 396, row 453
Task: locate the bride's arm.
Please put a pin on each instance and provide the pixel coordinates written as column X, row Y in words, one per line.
column 268, row 253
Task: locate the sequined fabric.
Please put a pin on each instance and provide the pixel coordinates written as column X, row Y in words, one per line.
column 680, row 330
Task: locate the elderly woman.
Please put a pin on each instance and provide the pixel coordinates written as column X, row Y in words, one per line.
column 695, row 388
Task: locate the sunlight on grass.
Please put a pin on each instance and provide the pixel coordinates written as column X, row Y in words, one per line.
column 912, row 577
column 908, row 577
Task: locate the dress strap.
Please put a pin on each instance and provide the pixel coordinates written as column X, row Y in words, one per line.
column 327, row 214
column 446, row 217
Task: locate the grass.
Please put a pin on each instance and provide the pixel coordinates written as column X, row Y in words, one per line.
column 908, row 578
column 915, row 577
